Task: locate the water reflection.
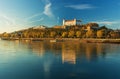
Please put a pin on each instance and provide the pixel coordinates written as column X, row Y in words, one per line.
column 70, row 51
column 38, row 48
column 65, row 60
column 68, row 54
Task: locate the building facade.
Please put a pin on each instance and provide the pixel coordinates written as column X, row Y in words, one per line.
column 71, row 22
column 40, row 27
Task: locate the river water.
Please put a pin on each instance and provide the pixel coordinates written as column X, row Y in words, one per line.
column 60, row 60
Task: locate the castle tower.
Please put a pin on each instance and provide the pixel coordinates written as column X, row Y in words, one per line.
column 75, row 22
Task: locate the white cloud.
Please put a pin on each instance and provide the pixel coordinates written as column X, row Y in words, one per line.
column 33, row 16
column 81, row 6
column 9, row 24
column 7, row 19
column 47, row 10
column 41, row 19
column 107, row 22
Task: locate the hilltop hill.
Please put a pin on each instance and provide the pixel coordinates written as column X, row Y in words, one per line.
column 90, row 30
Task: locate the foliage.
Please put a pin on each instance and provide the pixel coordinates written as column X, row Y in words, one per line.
column 71, row 34
column 78, row 31
column 78, row 34
column 90, row 34
column 64, row 35
column 101, row 33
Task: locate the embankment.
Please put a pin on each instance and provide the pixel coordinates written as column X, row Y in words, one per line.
column 90, row 40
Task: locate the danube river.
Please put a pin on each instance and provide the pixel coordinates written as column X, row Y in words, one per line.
column 61, row 60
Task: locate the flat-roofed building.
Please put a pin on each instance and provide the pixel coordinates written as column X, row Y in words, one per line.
column 40, row 27
column 71, row 22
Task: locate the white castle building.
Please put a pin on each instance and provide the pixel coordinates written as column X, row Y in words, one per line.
column 71, row 22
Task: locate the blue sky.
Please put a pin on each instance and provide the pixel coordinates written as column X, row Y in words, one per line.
column 20, row 14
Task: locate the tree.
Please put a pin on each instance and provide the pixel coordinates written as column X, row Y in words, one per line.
column 5, row 34
column 103, row 27
column 53, row 34
column 114, row 34
column 64, row 34
column 92, row 24
column 90, row 34
column 71, row 34
column 78, row 34
column 102, row 33
column 25, row 34
column 42, row 34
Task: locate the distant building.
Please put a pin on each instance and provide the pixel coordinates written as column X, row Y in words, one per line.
column 71, row 22
column 58, row 27
column 40, row 27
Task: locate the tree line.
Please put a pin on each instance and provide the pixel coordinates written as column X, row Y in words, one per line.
column 77, row 31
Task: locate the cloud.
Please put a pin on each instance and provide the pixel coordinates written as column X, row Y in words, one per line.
column 107, row 22
column 33, row 16
column 7, row 20
column 41, row 19
column 47, row 10
column 10, row 24
column 81, row 6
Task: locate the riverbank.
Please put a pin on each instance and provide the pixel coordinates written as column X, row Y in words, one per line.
column 87, row 40
column 117, row 41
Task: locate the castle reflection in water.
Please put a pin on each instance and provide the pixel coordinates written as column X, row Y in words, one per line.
column 70, row 51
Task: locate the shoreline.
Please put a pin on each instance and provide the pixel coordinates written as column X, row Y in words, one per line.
column 86, row 40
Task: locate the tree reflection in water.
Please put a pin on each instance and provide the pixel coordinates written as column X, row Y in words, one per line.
column 60, row 60
column 70, row 51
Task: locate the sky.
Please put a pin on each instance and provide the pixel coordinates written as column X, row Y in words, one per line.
column 21, row 14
